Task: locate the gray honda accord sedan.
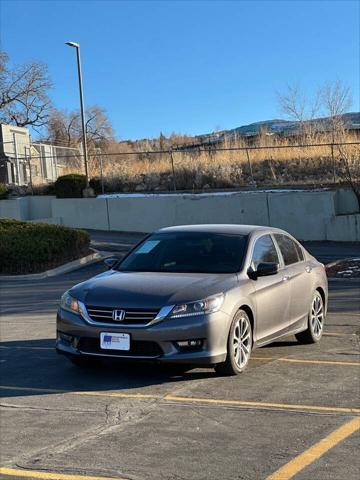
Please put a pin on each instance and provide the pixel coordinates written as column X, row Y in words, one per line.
column 199, row 295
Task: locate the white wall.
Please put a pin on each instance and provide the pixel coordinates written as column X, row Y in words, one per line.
column 40, row 207
column 17, row 208
column 308, row 215
column 147, row 213
column 81, row 212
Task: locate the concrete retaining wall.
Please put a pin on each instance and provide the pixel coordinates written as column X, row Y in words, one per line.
column 344, row 228
column 304, row 216
column 17, row 208
column 308, row 215
column 40, row 207
column 147, row 213
column 81, row 212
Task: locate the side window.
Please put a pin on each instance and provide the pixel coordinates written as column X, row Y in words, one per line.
column 288, row 248
column 264, row 252
column 299, row 252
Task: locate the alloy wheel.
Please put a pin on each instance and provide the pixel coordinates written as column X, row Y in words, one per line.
column 317, row 315
column 242, row 341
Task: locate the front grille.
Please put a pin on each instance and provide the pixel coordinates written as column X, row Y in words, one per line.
column 133, row 316
column 137, row 348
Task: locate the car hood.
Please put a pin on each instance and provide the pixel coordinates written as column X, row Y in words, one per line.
column 139, row 289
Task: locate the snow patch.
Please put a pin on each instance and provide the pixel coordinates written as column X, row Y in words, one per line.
column 203, row 194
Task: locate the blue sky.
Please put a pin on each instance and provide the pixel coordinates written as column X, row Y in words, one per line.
column 185, row 66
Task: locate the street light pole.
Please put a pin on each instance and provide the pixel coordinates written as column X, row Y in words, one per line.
column 77, row 46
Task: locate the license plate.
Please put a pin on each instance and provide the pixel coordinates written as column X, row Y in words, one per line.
column 114, row 341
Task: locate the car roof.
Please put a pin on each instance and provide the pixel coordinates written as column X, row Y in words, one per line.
column 221, row 228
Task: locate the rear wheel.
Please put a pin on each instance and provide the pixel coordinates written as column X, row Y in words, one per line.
column 238, row 346
column 316, row 318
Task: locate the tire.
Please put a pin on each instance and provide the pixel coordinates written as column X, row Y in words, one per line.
column 315, row 324
column 238, row 346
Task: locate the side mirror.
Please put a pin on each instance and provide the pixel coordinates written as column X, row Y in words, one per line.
column 110, row 262
column 263, row 270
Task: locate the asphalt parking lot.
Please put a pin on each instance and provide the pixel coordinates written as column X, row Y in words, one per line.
column 293, row 414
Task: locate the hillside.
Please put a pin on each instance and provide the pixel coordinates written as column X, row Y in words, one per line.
column 280, row 127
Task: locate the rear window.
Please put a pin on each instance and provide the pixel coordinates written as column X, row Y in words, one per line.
column 289, row 249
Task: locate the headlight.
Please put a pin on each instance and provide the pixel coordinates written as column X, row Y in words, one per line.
column 209, row 305
column 69, row 303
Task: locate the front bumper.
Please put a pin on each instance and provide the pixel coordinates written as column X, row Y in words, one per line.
column 75, row 336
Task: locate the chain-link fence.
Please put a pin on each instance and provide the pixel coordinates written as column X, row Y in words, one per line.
column 124, row 169
column 25, row 163
column 217, row 167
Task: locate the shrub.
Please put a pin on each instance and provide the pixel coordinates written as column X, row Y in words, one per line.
column 70, row 186
column 3, row 191
column 35, row 247
column 95, row 184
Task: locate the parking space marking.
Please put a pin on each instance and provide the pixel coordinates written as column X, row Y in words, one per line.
column 33, row 389
column 280, row 359
column 26, row 348
column 175, row 399
column 316, row 451
column 17, row 472
column 241, row 403
column 333, row 334
column 80, row 392
column 315, row 362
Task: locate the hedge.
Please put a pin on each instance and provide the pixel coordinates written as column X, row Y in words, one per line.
column 35, row 247
column 70, row 186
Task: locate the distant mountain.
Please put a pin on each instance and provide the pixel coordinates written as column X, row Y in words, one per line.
column 276, row 126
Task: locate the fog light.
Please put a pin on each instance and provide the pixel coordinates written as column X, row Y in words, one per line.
column 64, row 337
column 194, row 343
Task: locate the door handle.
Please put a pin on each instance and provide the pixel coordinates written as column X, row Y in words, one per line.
column 286, row 278
column 308, row 269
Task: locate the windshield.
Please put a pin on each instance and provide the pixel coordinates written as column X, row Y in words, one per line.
column 187, row 252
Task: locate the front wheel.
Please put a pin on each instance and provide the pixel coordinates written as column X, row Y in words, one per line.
column 315, row 326
column 238, row 346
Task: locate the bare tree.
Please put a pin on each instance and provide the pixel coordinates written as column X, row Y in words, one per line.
column 98, row 127
column 297, row 106
column 23, row 93
column 65, row 128
column 336, row 100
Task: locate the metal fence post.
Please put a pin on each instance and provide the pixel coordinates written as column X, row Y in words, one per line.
column 250, row 166
column 98, row 154
column 173, row 168
column 30, row 172
column 333, row 162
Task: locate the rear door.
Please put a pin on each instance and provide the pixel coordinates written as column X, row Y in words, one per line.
column 297, row 273
column 271, row 293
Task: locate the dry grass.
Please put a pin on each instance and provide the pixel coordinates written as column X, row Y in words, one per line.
column 283, row 163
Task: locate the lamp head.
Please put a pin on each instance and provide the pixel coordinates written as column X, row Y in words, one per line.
column 72, row 44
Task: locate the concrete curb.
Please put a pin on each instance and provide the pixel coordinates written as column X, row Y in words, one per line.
column 344, row 279
column 67, row 267
column 340, row 279
column 336, row 262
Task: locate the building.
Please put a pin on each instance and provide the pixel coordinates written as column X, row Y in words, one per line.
column 15, row 150
column 23, row 162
